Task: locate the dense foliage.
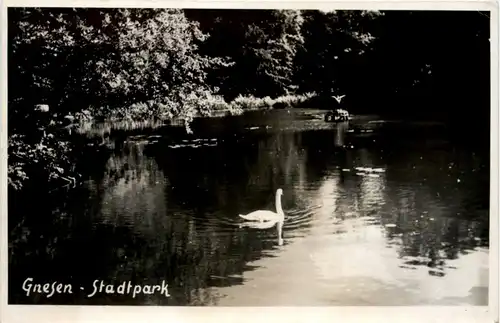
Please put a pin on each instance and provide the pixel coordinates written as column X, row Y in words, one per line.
column 164, row 64
column 334, row 67
column 108, row 60
column 262, row 45
column 109, row 63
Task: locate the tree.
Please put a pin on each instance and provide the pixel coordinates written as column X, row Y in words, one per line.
column 261, row 44
column 332, row 60
column 109, row 58
column 433, row 61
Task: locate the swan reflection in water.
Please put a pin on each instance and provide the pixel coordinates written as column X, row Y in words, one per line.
column 267, row 225
column 265, row 219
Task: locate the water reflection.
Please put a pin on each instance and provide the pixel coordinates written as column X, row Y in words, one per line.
column 363, row 216
column 340, row 132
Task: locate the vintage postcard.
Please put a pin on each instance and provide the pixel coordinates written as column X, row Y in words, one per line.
column 162, row 157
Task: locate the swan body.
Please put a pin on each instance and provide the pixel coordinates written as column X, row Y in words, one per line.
column 266, row 215
column 264, row 219
column 261, row 216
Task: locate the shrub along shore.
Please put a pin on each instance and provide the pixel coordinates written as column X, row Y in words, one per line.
column 53, row 154
column 134, row 117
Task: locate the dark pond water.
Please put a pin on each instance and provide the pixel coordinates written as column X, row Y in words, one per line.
column 376, row 213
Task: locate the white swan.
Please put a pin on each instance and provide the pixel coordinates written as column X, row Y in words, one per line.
column 264, row 219
column 265, row 215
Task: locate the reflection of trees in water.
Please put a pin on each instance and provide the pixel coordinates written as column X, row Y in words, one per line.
column 123, row 232
column 175, row 251
column 322, row 154
column 437, row 217
column 358, row 192
column 201, row 179
column 280, row 162
column 429, row 227
column 427, row 230
column 59, row 242
column 189, row 243
column 454, row 179
column 370, row 187
column 240, row 175
column 51, row 241
column 134, row 188
column 446, row 171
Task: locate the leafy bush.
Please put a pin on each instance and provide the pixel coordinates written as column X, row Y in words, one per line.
column 46, row 160
column 253, row 103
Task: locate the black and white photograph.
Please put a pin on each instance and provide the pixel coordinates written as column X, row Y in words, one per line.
column 248, row 157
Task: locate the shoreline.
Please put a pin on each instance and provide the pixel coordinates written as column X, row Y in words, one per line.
column 219, row 109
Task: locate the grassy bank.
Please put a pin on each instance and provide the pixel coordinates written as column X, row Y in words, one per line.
column 246, row 103
column 138, row 116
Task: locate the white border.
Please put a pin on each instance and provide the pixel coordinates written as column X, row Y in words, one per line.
column 52, row 314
